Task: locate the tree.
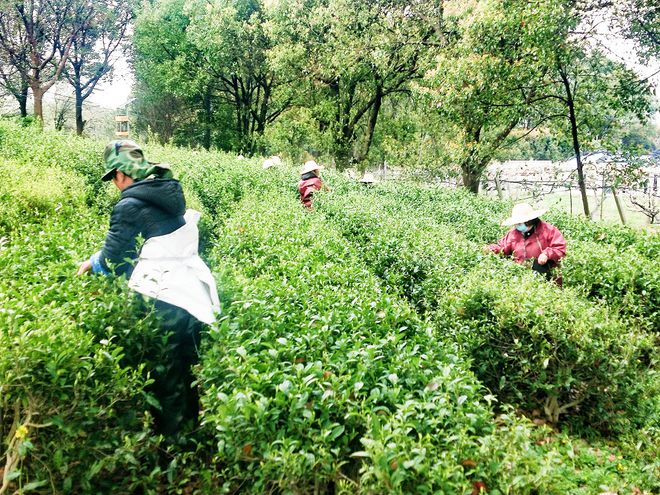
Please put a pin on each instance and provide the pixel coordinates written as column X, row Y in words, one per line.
column 482, row 85
column 102, row 31
column 647, row 204
column 588, row 95
column 13, row 81
column 233, row 44
column 167, row 79
column 596, row 94
column 62, row 108
column 528, row 64
column 216, row 58
column 35, row 38
column 358, row 55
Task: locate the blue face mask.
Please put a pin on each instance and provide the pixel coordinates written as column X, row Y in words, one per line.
column 521, row 227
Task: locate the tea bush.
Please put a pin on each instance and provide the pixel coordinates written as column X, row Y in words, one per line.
column 625, row 278
column 478, row 218
column 550, row 349
column 29, row 193
column 342, row 358
column 317, row 378
column 308, row 352
column 621, row 278
column 539, row 347
column 72, row 415
column 73, row 402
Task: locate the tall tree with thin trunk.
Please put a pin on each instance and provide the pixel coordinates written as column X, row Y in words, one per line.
column 47, row 28
column 591, row 96
column 13, row 82
column 103, row 27
column 569, row 100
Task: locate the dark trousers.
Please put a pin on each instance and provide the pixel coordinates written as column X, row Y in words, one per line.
column 173, row 380
column 550, row 270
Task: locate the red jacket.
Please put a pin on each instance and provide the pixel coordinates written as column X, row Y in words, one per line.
column 307, row 188
column 545, row 238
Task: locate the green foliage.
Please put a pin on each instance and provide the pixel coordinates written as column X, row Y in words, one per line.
column 439, row 86
column 625, row 279
column 72, row 411
column 29, row 194
column 316, row 376
column 298, row 368
column 206, row 75
column 566, row 356
column 640, row 22
column 483, row 83
column 611, row 263
column 606, row 95
column 536, row 146
column 365, row 346
column 531, row 343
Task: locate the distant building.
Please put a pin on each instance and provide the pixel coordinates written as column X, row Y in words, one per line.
column 122, row 126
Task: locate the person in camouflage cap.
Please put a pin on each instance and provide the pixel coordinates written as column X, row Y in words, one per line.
column 153, row 206
column 127, row 157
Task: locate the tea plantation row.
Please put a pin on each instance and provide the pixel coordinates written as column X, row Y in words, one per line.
column 365, row 347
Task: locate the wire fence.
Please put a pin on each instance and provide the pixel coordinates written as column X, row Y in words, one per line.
column 643, row 199
column 640, row 202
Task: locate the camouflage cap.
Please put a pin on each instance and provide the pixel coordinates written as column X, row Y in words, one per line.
column 127, row 156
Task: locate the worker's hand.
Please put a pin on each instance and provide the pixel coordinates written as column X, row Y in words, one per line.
column 84, row 267
column 543, row 259
column 486, row 250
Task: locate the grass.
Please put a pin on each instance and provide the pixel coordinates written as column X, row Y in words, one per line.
column 607, row 213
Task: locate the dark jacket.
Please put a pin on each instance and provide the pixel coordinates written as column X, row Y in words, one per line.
column 150, row 208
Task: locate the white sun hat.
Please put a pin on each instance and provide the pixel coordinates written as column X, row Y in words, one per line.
column 521, row 213
column 273, row 161
column 368, row 178
column 310, row 166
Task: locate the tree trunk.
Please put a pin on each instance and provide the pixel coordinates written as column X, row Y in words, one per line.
column 80, row 123
column 470, row 177
column 263, row 109
column 618, row 206
column 22, row 97
column 38, row 95
column 500, row 195
column 576, row 143
column 206, row 141
column 343, row 153
column 472, row 166
column 343, row 146
column 371, row 125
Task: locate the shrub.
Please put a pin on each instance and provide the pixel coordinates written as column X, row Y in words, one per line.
column 540, row 347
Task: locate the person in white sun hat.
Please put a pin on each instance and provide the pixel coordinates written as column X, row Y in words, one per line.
column 310, row 182
column 368, row 179
column 532, row 239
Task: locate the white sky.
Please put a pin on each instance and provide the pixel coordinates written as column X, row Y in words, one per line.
column 116, row 92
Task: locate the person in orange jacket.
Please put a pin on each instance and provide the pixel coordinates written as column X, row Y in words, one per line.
column 532, row 239
column 310, row 182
